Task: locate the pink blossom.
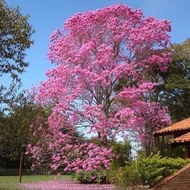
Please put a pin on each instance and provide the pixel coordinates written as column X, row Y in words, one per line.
column 94, row 53
column 65, row 185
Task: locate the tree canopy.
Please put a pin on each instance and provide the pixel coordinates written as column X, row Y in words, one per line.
column 177, row 82
column 15, row 38
column 15, row 130
column 93, row 52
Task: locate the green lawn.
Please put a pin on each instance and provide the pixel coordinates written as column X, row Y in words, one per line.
column 12, row 182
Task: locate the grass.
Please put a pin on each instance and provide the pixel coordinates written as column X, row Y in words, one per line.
column 12, row 182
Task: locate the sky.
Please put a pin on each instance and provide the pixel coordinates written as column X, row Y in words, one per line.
column 48, row 15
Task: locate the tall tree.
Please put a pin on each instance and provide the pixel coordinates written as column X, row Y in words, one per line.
column 92, row 53
column 177, row 82
column 173, row 90
column 15, row 38
column 15, row 130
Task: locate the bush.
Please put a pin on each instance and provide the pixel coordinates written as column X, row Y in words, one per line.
column 125, row 177
column 122, row 151
column 94, row 176
column 154, row 168
column 145, row 171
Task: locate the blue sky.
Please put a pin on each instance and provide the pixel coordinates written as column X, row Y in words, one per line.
column 48, row 15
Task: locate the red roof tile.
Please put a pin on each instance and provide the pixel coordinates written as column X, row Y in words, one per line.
column 181, row 139
column 183, row 125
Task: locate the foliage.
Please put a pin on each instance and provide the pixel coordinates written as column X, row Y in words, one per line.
column 15, row 131
column 15, row 38
column 93, row 176
column 122, row 152
column 145, row 171
column 155, row 168
column 174, row 91
column 177, row 82
column 73, row 157
column 162, row 144
column 91, row 55
column 124, row 177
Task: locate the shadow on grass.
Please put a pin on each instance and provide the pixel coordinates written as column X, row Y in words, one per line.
column 12, row 182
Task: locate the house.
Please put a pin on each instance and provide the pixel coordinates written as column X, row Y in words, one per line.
column 181, row 133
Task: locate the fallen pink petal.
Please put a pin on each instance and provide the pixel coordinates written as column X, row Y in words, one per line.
column 66, row 184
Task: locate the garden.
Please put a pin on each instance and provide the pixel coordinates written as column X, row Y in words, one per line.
column 114, row 83
column 137, row 175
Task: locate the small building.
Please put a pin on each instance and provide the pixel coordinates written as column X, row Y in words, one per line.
column 181, row 133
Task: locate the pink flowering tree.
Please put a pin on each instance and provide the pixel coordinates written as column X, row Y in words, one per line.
column 93, row 53
column 64, row 147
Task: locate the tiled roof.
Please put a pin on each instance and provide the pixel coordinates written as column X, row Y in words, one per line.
column 183, row 125
column 181, row 139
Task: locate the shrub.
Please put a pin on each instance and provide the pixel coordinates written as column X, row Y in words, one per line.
column 94, row 176
column 154, row 168
column 145, row 171
column 124, row 177
column 122, row 152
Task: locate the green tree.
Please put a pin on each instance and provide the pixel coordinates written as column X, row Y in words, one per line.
column 177, row 82
column 173, row 91
column 15, row 130
column 15, row 38
column 122, row 150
